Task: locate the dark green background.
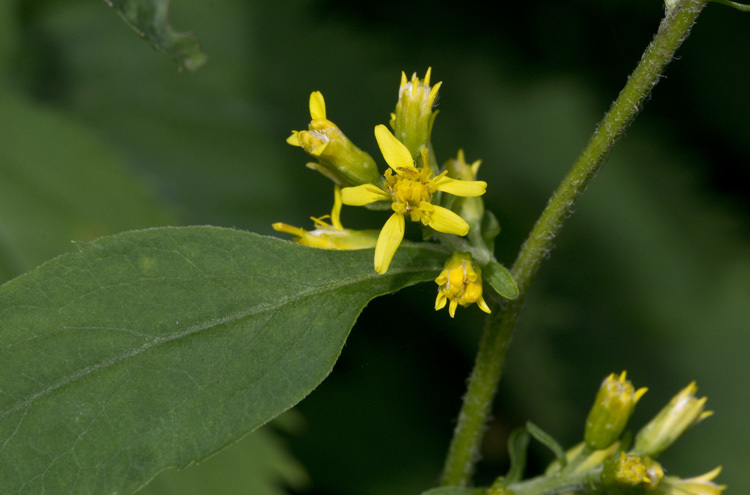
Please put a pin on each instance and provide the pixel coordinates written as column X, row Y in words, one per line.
column 652, row 273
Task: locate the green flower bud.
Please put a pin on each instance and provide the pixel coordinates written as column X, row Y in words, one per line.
column 613, row 406
column 338, row 158
column 412, row 121
column 682, row 412
column 631, row 470
column 624, row 470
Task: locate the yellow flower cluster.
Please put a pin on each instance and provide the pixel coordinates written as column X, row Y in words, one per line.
column 412, row 184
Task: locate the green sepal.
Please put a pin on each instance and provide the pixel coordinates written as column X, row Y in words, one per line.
column 499, row 278
column 546, row 439
column 518, row 444
column 379, row 205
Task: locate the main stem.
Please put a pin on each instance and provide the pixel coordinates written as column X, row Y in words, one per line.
column 467, row 437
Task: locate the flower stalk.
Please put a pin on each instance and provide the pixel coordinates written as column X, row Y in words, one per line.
column 464, row 449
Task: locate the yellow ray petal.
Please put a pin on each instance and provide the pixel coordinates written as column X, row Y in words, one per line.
column 433, row 93
column 440, row 301
column 319, row 150
column 388, row 241
column 483, row 305
column 293, row 139
column 288, row 229
column 362, row 195
column 444, row 220
column 452, row 308
column 465, row 188
column 395, row 153
column 317, row 105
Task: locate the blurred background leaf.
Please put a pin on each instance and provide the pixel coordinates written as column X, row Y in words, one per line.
column 58, row 183
column 257, row 465
column 652, row 274
column 149, row 19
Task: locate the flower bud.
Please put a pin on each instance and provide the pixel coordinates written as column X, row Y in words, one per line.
column 412, row 121
column 613, row 406
column 682, row 412
column 624, row 470
column 461, row 283
column 631, row 470
column 338, row 158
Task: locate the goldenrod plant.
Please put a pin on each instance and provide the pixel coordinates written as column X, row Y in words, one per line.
column 146, row 347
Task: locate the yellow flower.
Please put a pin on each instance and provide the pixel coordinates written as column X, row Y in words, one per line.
column 339, row 159
column 461, row 283
column 333, row 236
column 410, row 191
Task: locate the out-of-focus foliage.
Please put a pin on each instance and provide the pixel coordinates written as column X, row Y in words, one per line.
column 652, row 273
column 260, row 464
column 148, row 18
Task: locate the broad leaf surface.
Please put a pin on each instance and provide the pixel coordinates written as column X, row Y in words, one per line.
column 149, row 19
column 156, row 348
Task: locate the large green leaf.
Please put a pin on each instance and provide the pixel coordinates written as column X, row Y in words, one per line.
column 156, row 348
column 149, row 19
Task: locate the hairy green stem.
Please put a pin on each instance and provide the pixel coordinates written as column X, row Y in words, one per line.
column 467, row 437
column 559, row 483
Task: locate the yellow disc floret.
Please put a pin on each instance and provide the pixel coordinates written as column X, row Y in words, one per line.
column 410, row 191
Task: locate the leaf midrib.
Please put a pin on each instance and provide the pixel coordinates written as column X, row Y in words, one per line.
column 195, row 329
